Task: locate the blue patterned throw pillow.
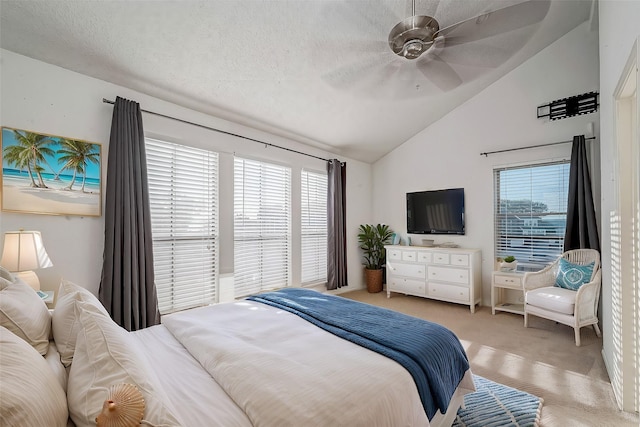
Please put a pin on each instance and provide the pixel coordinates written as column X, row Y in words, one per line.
column 572, row 276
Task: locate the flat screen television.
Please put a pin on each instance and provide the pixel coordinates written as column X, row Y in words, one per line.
column 436, row 212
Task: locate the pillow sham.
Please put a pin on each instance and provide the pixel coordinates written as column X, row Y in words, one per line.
column 4, row 283
column 66, row 317
column 5, row 277
column 30, row 394
column 24, row 313
column 106, row 355
column 573, row 276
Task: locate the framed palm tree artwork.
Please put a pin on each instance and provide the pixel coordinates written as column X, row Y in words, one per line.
column 48, row 174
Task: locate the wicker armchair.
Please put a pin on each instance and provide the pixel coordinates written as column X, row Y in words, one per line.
column 573, row 308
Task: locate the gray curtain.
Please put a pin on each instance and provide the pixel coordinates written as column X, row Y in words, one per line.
column 127, row 287
column 582, row 228
column 336, row 225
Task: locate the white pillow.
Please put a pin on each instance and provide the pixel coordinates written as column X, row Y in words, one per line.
column 30, row 394
column 66, row 317
column 24, row 313
column 5, row 277
column 105, row 355
column 4, row 283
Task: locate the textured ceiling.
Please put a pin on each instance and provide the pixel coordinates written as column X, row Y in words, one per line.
column 318, row 72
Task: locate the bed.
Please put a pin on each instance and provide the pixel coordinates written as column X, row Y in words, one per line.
column 245, row 363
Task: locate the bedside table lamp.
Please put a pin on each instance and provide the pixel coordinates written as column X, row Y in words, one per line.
column 24, row 252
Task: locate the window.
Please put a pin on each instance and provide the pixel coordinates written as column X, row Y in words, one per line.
column 183, row 196
column 262, row 218
column 531, row 212
column 314, row 226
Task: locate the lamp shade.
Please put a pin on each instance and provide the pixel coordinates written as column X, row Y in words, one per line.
column 23, row 250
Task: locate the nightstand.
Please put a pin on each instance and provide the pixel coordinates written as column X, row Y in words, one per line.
column 501, row 280
column 49, row 299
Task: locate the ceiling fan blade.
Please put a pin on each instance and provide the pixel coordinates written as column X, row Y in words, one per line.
column 372, row 14
column 477, row 54
column 435, row 8
column 440, row 73
column 496, row 22
column 358, row 74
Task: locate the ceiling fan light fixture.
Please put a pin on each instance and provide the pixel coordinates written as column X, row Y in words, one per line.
column 412, row 49
column 413, row 36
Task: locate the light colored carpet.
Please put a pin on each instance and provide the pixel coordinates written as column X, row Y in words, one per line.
column 542, row 360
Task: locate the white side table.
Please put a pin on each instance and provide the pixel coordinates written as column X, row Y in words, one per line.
column 501, row 280
column 49, row 298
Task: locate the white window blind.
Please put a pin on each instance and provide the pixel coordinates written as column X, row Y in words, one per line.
column 183, row 196
column 531, row 212
column 314, row 226
column 262, row 218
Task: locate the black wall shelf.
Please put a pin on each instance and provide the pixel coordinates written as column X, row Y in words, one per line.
column 569, row 107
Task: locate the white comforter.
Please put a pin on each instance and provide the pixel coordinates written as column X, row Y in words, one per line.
column 280, row 370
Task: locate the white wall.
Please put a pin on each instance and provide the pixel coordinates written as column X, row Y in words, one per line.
column 619, row 29
column 447, row 154
column 44, row 98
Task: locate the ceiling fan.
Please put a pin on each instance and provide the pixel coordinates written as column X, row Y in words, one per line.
column 483, row 41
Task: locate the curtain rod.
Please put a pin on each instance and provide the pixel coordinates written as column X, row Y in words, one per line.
column 106, row 101
column 531, row 146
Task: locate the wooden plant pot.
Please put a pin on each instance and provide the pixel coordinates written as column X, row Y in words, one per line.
column 373, row 279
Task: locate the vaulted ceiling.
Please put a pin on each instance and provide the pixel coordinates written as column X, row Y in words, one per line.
column 319, row 72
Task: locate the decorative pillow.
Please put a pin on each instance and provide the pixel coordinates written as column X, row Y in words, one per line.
column 5, row 277
column 30, row 394
column 106, row 355
column 4, row 283
column 55, row 364
column 24, row 313
column 572, row 276
column 66, row 317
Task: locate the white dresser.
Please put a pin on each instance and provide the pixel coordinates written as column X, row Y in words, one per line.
column 447, row 274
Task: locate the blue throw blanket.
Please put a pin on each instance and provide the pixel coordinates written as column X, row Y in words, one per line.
column 430, row 352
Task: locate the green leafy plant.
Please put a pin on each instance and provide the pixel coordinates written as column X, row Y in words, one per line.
column 509, row 258
column 372, row 239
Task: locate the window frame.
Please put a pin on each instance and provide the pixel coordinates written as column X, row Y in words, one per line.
column 531, row 242
column 242, row 285
column 321, row 275
column 185, row 273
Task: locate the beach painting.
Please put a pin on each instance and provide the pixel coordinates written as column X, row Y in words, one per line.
column 48, row 174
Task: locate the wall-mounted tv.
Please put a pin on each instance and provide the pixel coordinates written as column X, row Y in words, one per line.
column 436, row 212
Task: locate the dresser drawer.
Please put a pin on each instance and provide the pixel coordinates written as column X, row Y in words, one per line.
column 394, row 254
column 424, row 257
column 448, row 292
column 397, row 284
column 407, row 270
column 441, row 258
column 454, row 275
column 460, row 259
column 409, row 256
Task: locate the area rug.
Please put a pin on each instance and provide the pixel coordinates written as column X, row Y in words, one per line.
column 494, row 404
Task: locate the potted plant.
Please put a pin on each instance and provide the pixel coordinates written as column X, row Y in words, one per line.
column 508, row 263
column 372, row 239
